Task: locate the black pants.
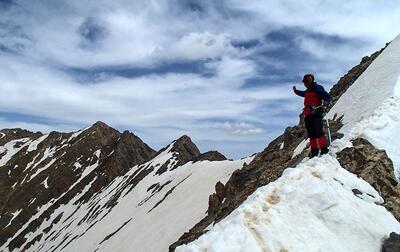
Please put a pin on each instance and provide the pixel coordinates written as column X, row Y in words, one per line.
column 314, row 126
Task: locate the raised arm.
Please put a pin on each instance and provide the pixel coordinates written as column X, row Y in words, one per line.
column 299, row 92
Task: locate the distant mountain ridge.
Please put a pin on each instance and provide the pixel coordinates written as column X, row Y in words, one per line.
column 38, row 169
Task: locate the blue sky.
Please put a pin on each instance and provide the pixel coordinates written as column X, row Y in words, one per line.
column 218, row 71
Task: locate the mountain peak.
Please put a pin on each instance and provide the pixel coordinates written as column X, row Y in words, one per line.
column 101, row 129
column 186, row 148
column 100, row 125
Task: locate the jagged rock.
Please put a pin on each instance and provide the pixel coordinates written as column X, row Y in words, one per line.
column 215, row 200
column 220, row 191
column 391, row 244
column 211, row 156
column 184, row 150
column 213, row 204
column 375, row 167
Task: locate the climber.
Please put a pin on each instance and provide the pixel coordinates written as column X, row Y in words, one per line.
column 315, row 101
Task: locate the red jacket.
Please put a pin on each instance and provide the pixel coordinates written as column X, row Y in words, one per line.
column 313, row 97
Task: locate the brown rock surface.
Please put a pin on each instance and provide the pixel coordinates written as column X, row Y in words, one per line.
column 375, row 167
column 211, row 156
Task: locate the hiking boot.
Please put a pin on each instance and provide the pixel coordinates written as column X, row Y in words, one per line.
column 313, row 153
column 324, row 151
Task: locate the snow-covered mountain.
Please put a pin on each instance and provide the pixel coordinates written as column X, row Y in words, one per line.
column 101, row 190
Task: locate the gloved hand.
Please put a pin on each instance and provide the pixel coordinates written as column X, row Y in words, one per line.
column 294, row 88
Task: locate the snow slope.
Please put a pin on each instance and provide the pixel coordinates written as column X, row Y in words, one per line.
column 312, row 207
column 120, row 218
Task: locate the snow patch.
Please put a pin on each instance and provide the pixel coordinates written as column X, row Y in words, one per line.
column 33, row 145
column 9, row 150
column 39, row 170
column 76, row 134
column 77, row 165
column 44, row 183
column 15, row 214
column 299, row 149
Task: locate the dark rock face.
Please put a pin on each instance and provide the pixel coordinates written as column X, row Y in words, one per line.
column 57, row 169
column 211, row 156
column 184, row 150
column 391, row 244
column 215, row 200
column 220, row 190
column 375, row 167
column 269, row 164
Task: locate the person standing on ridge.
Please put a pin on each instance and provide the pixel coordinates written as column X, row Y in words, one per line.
column 315, row 99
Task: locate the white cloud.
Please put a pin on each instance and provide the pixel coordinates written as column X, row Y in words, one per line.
column 240, row 128
column 197, row 46
column 372, row 20
column 150, row 33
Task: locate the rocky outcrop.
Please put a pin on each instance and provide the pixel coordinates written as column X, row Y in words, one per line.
column 183, row 151
column 186, row 148
column 375, row 167
column 211, row 156
column 392, row 243
column 215, row 200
